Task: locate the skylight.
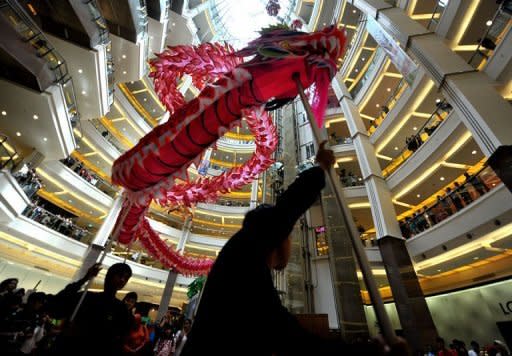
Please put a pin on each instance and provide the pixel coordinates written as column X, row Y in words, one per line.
column 238, row 21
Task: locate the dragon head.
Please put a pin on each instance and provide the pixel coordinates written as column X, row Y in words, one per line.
column 282, row 54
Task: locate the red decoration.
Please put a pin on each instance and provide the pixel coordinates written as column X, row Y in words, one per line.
column 296, row 24
column 273, row 7
column 148, row 170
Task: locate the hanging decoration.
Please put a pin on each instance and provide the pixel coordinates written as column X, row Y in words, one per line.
column 297, row 24
column 156, row 168
column 273, row 7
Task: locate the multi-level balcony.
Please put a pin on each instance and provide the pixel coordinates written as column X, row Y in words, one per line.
column 36, row 72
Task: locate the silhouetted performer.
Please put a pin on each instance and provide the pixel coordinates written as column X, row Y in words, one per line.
column 240, row 312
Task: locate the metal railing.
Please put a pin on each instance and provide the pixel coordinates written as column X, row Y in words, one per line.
column 107, row 135
column 9, row 157
column 389, row 104
column 423, row 134
column 369, row 73
column 62, row 225
column 78, row 167
column 457, row 197
column 437, row 13
column 491, row 38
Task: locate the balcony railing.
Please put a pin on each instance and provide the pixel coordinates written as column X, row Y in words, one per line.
column 9, row 157
column 58, row 223
column 414, row 142
column 31, row 34
column 500, row 24
column 389, row 104
column 79, row 168
column 455, row 199
column 107, row 135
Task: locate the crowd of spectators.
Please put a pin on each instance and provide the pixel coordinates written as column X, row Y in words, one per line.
column 458, row 348
column 57, row 222
column 350, row 179
column 336, row 140
column 36, row 323
column 29, row 181
column 453, row 200
column 79, row 169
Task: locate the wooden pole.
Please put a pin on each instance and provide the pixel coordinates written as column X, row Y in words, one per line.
column 357, row 244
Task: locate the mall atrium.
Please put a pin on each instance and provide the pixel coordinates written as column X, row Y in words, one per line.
column 418, row 115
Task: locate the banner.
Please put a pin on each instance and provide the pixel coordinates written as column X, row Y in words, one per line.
column 400, row 59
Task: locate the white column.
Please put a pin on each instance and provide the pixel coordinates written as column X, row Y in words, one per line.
column 254, row 194
column 379, row 195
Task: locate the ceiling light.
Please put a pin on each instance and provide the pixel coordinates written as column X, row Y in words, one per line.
column 388, row 90
column 363, row 59
column 35, row 117
column 489, row 23
column 438, row 100
column 377, row 105
column 124, row 128
column 69, row 200
column 45, row 139
column 90, row 212
column 80, row 71
column 174, row 23
column 396, row 148
column 4, row 112
column 78, row 146
column 356, row 70
column 18, row 134
column 154, row 110
column 123, row 56
column 414, row 128
column 473, row 152
column 124, row 72
column 83, row 92
column 59, row 62
column 145, row 99
column 438, row 270
column 98, row 162
column 418, row 195
column 475, row 258
column 354, row 11
column 441, row 179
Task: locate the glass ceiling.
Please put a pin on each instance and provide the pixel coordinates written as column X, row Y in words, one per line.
column 238, row 21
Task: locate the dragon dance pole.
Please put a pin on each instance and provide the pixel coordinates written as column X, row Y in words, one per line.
column 113, row 237
column 362, row 259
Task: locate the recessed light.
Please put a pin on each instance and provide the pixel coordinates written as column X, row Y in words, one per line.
column 59, row 62
column 35, row 117
column 80, row 71
column 388, row 90
column 363, row 59
column 441, row 179
column 83, row 92
column 438, row 100
column 145, row 99
column 489, row 23
column 69, row 200
column 123, row 56
column 78, row 146
column 154, row 110
column 90, row 212
column 438, row 270
column 124, row 72
column 354, row 11
column 414, row 128
column 356, row 70
column 98, row 162
column 475, row 258
column 377, row 105
column 18, row 134
column 418, row 195
column 473, row 152
column 396, row 148
column 124, row 128
column 45, row 139
column 4, row 112
column 174, row 23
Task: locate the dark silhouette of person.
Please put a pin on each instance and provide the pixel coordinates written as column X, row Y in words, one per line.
column 240, row 312
column 102, row 322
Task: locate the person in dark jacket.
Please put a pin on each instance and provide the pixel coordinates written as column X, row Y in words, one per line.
column 102, row 322
column 240, row 312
